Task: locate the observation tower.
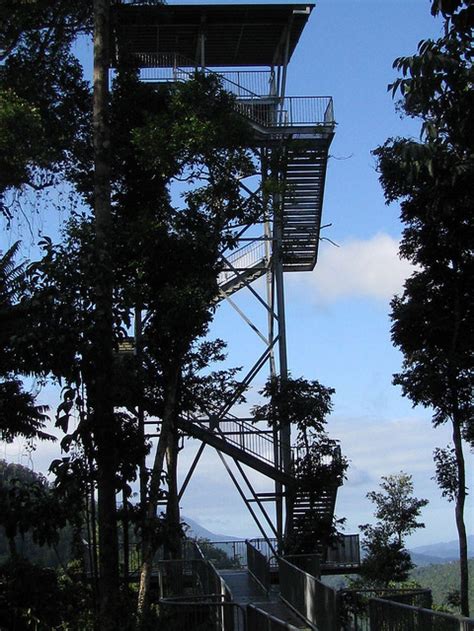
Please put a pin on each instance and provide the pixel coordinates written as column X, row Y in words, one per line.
column 249, row 48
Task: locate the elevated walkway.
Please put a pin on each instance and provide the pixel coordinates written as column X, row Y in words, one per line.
column 245, row 590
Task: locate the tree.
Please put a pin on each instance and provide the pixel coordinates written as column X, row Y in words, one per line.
column 397, row 512
column 396, row 507
column 298, row 402
column 318, row 466
column 44, row 100
column 191, row 132
column 29, row 504
column 19, row 413
column 165, row 265
column 432, row 321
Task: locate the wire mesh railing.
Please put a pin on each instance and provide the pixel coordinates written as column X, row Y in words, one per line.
column 253, row 89
column 310, row 563
column 344, row 552
column 258, row 565
column 245, row 436
column 248, row 257
column 236, row 550
column 315, row 602
column 314, row 111
column 260, row 620
column 387, row 615
column 202, row 613
column 355, row 603
column 251, row 440
column 192, row 595
column 166, row 67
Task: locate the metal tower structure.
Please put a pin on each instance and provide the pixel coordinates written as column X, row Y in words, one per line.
column 249, row 47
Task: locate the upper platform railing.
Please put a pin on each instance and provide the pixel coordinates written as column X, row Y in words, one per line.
column 255, row 91
column 165, row 67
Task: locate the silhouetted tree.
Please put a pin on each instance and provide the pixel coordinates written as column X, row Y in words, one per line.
column 433, row 178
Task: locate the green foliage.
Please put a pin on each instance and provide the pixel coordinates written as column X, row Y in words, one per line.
column 443, row 580
column 396, row 508
column 43, row 599
column 19, row 414
column 219, row 557
column 386, row 561
column 397, row 512
column 299, row 402
column 433, row 180
column 20, row 128
column 29, row 505
column 44, row 101
column 432, row 321
column 446, row 472
column 29, row 597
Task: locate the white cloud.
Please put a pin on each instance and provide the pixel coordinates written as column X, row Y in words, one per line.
column 358, row 268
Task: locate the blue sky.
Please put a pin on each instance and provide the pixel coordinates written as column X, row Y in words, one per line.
column 337, row 316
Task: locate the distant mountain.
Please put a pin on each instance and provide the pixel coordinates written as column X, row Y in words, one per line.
column 199, row 532
column 439, row 552
column 422, row 560
column 422, row 556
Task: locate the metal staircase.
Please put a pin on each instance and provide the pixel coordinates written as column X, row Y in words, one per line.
column 305, row 174
column 242, row 267
column 309, row 511
column 303, row 127
column 256, row 448
column 291, row 139
column 239, row 440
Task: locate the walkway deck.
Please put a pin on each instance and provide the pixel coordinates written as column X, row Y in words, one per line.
column 245, row 590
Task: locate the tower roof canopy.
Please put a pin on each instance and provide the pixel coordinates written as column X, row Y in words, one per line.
column 227, row 34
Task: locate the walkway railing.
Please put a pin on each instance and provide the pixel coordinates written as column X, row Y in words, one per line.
column 258, row 566
column 164, row 67
column 313, row 111
column 202, row 612
column 245, row 436
column 355, row 603
column 386, row 615
column 192, row 593
column 254, row 91
column 345, row 552
column 259, row 620
column 310, row 563
column 247, row 257
column 236, row 550
column 315, row 602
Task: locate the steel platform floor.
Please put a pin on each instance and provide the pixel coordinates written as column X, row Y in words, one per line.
column 245, row 590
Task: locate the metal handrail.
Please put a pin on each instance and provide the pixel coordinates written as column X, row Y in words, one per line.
column 262, row 106
column 258, row 565
column 244, row 435
column 249, row 256
column 190, row 612
column 260, row 620
column 315, row 602
column 162, row 67
column 293, row 111
column 388, row 614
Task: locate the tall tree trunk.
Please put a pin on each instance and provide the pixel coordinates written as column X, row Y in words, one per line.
column 149, row 548
column 460, row 501
column 103, row 413
column 172, row 506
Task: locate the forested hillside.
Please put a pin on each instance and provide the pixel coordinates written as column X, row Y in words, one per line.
column 442, row 579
